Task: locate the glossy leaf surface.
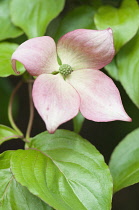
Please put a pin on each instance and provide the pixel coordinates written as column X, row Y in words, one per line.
column 80, row 17
column 7, row 29
column 123, row 20
column 6, row 51
column 128, row 68
column 12, row 194
column 124, row 164
column 7, row 133
column 34, row 16
column 112, row 69
column 67, row 173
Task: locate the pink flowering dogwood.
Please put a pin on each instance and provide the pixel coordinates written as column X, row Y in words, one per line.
column 68, row 79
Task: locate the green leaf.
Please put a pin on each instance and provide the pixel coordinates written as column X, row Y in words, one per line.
column 12, row 194
column 112, row 69
column 128, row 65
column 124, row 21
column 6, row 51
column 80, row 17
column 78, row 122
column 34, row 16
column 7, row 29
column 7, row 133
column 124, row 164
column 67, row 173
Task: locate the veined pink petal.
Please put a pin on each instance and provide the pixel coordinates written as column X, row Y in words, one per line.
column 38, row 55
column 55, row 99
column 84, row 48
column 100, row 98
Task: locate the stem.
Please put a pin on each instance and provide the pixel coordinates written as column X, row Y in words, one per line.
column 31, row 107
column 10, row 116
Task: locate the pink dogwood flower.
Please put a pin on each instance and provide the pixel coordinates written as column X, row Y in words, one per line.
column 68, row 77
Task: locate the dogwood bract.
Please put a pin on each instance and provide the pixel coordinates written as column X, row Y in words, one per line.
column 68, row 79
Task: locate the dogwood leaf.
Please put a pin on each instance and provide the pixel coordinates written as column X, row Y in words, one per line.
column 12, row 194
column 6, row 51
column 7, row 29
column 80, row 17
column 7, row 133
column 112, row 69
column 128, row 68
column 67, row 173
column 34, row 16
column 124, row 21
column 124, row 164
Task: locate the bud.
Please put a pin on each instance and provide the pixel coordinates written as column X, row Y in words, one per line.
column 65, row 70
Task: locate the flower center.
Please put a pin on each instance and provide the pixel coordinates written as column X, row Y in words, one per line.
column 65, row 69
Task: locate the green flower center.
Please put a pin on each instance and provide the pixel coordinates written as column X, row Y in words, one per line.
column 65, row 69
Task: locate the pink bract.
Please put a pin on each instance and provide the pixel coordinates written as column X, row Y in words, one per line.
column 61, row 91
